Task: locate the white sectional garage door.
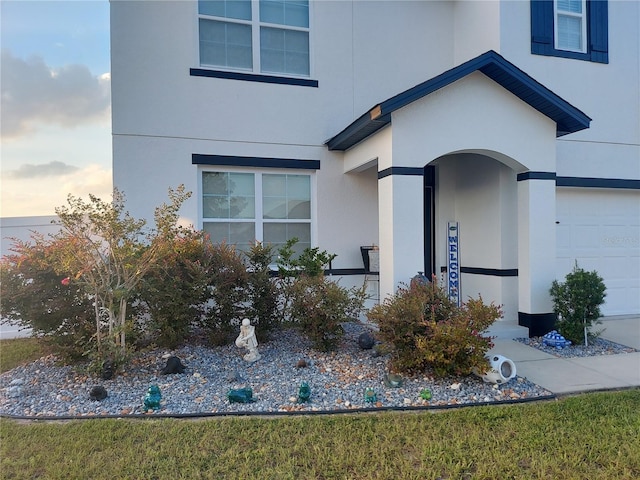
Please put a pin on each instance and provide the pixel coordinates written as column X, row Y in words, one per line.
column 600, row 228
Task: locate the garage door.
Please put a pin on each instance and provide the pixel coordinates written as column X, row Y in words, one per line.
column 600, row 229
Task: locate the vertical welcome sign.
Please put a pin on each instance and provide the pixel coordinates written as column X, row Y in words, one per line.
column 453, row 262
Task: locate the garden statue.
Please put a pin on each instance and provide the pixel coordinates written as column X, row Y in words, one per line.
column 98, row 393
column 247, row 339
column 554, row 339
column 152, row 398
column 240, row 395
column 304, row 392
column 370, row 395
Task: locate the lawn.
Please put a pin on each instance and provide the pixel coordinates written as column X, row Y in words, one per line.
column 588, row 436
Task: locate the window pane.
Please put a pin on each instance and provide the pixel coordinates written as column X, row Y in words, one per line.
column 299, row 186
column 274, row 207
column 215, row 206
column 277, row 234
column 241, row 184
column 240, row 9
column 297, row 208
column 274, row 185
column 242, row 235
column 214, row 183
column 285, row 12
column 574, row 6
column 569, row 33
column 225, row 44
column 284, row 51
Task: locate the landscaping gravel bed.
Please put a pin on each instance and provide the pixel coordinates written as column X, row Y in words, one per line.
column 597, row 347
column 337, row 381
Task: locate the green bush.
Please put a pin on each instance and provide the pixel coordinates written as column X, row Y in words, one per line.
column 319, row 307
column 425, row 330
column 173, row 292
column 34, row 295
column 262, row 290
column 227, row 290
column 576, row 302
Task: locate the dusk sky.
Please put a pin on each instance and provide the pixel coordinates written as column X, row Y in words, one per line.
column 55, row 113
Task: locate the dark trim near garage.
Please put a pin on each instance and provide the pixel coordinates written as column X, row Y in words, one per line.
column 256, row 162
column 345, row 271
column 538, row 323
column 251, row 77
column 410, row 171
column 598, row 182
column 492, row 272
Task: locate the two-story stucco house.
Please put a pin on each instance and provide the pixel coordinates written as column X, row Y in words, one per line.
column 493, row 143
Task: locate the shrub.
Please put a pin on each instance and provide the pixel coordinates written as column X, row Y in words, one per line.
column 426, row 330
column 174, row 291
column 319, row 307
column 35, row 296
column 262, row 290
column 227, row 291
column 576, row 302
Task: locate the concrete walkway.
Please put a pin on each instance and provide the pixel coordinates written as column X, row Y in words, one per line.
column 579, row 374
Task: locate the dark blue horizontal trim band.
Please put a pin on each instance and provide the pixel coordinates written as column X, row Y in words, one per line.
column 597, row 182
column 493, row 272
column 252, row 77
column 257, row 162
column 412, row 171
column 348, row 271
column 536, row 176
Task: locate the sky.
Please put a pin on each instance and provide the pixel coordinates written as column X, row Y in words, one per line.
column 55, row 111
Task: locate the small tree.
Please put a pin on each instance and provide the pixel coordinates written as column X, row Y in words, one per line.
column 576, row 302
column 108, row 252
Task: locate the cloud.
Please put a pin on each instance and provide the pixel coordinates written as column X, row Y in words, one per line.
column 34, row 94
column 40, row 195
column 51, row 169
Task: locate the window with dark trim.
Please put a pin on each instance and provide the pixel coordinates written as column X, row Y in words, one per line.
column 544, row 27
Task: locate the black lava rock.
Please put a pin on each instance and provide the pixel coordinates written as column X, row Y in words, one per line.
column 174, row 365
column 366, row 341
column 98, row 393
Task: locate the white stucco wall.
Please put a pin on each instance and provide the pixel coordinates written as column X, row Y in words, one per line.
column 22, row 228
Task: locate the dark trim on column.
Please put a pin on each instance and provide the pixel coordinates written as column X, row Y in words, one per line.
column 252, row 77
column 537, row 323
column 257, row 162
column 429, row 221
column 492, row 272
column 598, row 182
column 536, row 176
column 411, row 171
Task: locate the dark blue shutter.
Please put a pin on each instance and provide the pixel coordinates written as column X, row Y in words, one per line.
column 598, row 30
column 542, row 27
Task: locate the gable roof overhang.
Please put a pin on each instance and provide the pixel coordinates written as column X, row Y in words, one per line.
column 568, row 118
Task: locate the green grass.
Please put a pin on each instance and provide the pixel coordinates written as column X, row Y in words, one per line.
column 592, row 436
column 14, row 352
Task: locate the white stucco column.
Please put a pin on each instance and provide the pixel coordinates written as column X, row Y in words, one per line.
column 536, row 252
column 401, row 219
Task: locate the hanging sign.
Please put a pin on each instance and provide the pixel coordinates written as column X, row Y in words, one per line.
column 453, row 263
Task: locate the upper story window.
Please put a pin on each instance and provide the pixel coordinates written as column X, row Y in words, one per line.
column 571, row 25
column 256, row 36
column 576, row 29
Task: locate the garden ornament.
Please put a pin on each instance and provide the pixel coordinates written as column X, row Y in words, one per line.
column 366, row 341
column 304, row 392
column 152, row 398
column 247, row 339
column 240, row 395
column 98, row 393
column 554, row 339
column 501, row 370
column 370, row 395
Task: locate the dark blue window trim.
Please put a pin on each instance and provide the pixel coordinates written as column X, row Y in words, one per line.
column 256, row 162
column 542, row 34
column 252, row 77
